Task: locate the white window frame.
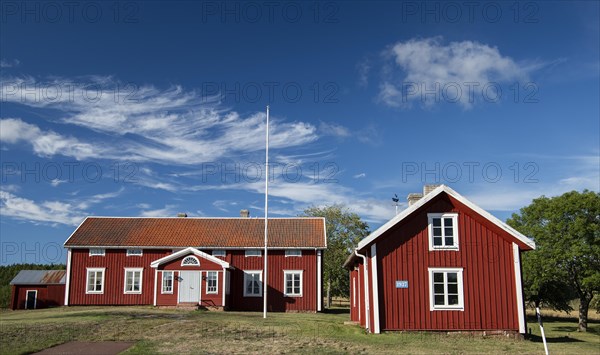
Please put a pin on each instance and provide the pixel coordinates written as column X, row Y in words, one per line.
column 216, row 273
column 133, row 270
column 162, row 289
column 253, row 253
column 459, row 277
column 455, row 236
column 134, row 252
column 292, row 272
column 293, row 253
column 221, row 253
column 247, row 273
column 87, row 280
column 97, row 252
column 190, row 257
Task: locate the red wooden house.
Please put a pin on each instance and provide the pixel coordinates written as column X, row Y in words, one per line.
column 211, row 262
column 443, row 264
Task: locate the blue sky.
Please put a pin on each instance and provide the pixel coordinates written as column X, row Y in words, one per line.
column 155, row 108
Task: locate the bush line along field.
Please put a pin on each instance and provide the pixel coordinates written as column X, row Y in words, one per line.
column 182, row 331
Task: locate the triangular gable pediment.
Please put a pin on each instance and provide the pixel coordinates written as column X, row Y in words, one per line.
column 186, row 252
column 522, row 239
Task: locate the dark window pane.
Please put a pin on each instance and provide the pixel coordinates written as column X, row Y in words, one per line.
column 437, row 241
column 452, row 299
column 452, row 277
column 438, row 288
column 449, row 241
column 447, row 222
column 452, row 288
column 437, row 222
column 448, row 232
column 439, row 300
column 437, row 231
column 438, row 277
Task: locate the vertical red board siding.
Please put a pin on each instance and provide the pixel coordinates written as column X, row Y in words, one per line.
column 115, row 261
column 277, row 263
column 485, row 254
column 354, row 297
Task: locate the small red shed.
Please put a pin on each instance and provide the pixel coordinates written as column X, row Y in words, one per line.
column 443, row 264
column 32, row 289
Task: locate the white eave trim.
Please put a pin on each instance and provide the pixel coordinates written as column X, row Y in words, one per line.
column 186, row 251
column 430, row 196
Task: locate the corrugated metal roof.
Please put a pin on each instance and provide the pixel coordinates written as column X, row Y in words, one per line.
column 199, row 232
column 39, row 277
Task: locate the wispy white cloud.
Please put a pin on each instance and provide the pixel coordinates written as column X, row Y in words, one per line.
column 456, row 70
column 170, row 126
column 6, row 63
column 68, row 212
column 167, row 211
column 334, row 129
column 359, row 176
column 46, row 143
column 52, row 212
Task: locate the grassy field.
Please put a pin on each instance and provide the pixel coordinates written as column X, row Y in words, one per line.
column 180, row 331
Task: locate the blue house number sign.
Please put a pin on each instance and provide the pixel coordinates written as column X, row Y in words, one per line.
column 401, row 284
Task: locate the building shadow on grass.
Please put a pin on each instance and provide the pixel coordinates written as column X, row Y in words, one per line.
column 336, row 310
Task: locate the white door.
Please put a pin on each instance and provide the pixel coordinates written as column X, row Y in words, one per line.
column 189, row 286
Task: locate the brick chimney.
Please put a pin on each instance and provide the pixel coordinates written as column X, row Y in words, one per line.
column 413, row 198
column 428, row 188
column 245, row 213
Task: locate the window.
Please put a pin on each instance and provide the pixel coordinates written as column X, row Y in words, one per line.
column 293, row 252
column 253, row 283
column 211, row 282
column 443, row 231
column 220, row 253
column 293, row 283
column 95, row 280
column 253, row 252
column 446, row 289
column 96, row 252
column 133, row 280
column 190, row 261
column 134, row 252
column 167, row 282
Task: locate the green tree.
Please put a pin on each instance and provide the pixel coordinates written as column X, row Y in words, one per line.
column 344, row 230
column 566, row 261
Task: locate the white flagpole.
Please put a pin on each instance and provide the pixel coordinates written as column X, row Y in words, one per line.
column 265, row 277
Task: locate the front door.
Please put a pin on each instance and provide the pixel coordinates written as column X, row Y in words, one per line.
column 189, row 286
column 31, row 299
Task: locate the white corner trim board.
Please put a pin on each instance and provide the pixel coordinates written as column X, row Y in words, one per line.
column 319, row 286
column 519, row 287
column 374, row 279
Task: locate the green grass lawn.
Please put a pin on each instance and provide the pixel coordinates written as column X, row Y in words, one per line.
column 179, row 331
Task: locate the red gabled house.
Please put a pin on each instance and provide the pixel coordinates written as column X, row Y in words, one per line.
column 210, row 262
column 443, row 264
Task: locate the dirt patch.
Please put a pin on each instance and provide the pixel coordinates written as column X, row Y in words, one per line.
column 89, row 348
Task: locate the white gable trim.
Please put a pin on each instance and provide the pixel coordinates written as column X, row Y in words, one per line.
column 430, row 196
column 186, row 251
